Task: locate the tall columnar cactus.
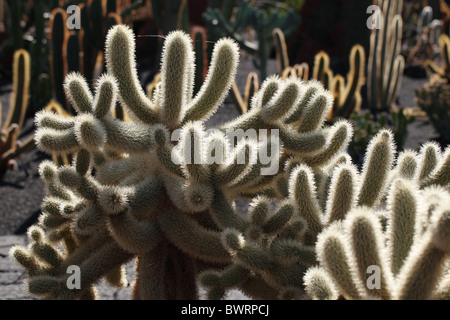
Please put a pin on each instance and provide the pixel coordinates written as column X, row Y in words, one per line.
column 162, row 188
column 386, row 64
column 10, row 147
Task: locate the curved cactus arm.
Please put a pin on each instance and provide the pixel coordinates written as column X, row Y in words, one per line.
column 334, row 256
column 120, row 60
column 286, row 97
column 175, row 78
column 339, row 137
column 342, row 193
column 407, row 164
column 403, row 203
column 218, row 81
column 217, row 283
column 440, row 176
column 225, row 215
column 364, row 233
column 425, row 265
column 295, row 116
column 319, row 285
column 429, row 156
column 378, row 163
column 191, row 238
column 78, row 92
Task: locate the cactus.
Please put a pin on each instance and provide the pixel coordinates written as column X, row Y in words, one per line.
column 385, row 63
column 346, row 92
column 263, row 23
column 433, row 97
column 409, row 257
column 162, row 189
column 10, row 147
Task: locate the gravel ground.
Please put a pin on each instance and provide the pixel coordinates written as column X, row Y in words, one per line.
column 21, row 192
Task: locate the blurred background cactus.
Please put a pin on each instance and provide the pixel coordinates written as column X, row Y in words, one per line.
column 10, row 145
column 251, row 25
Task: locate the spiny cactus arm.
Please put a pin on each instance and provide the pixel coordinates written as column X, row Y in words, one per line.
column 127, row 136
column 334, row 257
column 49, row 174
column 295, row 115
column 252, row 119
column 302, row 190
column 403, row 204
column 236, row 164
column 193, row 151
column 340, row 135
column 78, row 92
column 217, row 283
column 260, row 172
column 96, row 266
column 407, row 164
column 221, row 74
column 301, row 143
column 356, row 81
column 285, row 98
column 379, row 159
column 256, row 288
column 106, row 96
column 191, row 238
column 120, row 60
column 27, row 260
column 342, row 193
column 319, row 285
column 424, row 266
column 41, row 249
column 277, row 220
column 288, row 252
column 86, row 186
column 367, row 250
column 57, row 141
column 245, row 253
column 132, row 235
column 441, row 175
column 430, row 153
column 175, row 81
column 315, row 111
column 225, row 215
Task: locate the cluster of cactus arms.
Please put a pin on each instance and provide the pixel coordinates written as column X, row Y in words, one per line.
column 162, row 189
column 400, row 250
column 385, row 63
column 10, row 146
column 346, row 91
